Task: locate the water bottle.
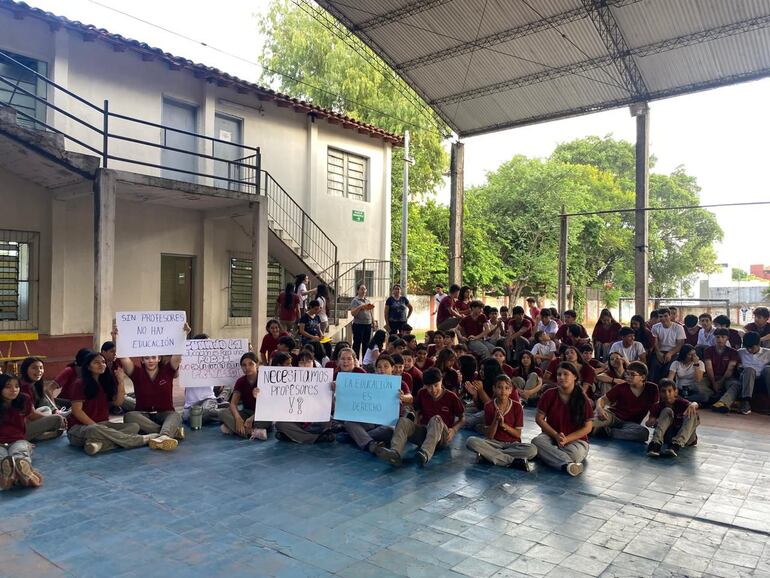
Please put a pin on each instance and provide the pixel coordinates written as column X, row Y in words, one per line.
column 196, row 417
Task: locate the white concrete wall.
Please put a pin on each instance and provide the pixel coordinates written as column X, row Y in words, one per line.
column 293, row 147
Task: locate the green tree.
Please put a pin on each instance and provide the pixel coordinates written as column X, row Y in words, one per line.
column 303, row 57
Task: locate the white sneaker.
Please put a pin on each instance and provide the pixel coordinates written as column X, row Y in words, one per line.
column 574, row 469
column 93, row 447
column 147, row 437
column 259, row 434
column 163, row 443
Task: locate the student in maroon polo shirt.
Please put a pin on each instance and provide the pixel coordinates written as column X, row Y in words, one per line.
column 89, row 425
column 519, row 333
column 42, row 395
column 412, row 370
column 447, row 315
column 439, row 416
column 154, row 388
column 270, row 340
column 621, row 410
column 471, row 331
column 15, row 451
column 605, row 333
column 723, row 322
column 67, row 377
column 504, row 420
column 368, row 436
column 564, row 414
column 674, row 420
column 564, row 333
column 761, row 325
column 721, row 362
column 287, row 307
column 241, row 421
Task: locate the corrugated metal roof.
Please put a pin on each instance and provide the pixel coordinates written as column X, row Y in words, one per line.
column 486, row 65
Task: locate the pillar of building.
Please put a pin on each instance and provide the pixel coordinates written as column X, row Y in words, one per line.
column 456, row 201
column 641, row 221
column 259, row 238
column 104, row 253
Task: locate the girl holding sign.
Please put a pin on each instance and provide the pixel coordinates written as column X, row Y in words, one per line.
column 89, row 422
column 301, row 433
column 154, row 388
column 369, row 436
column 504, row 419
column 241, row 421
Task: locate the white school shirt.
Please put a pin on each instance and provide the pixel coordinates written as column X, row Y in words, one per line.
column 756, row 361
column 633, row 353
column 668, row 336
column 685, row 373
column 707, row 339
column 544, row 349
column 369, row 358
column 551, row 328
column 322, row 313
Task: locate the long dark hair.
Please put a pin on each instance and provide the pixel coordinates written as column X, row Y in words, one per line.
column 468, row 367
column 18, row 403
column 686, row 350
column 532, row 362
column 577, row 399
column 640, row 334
column 106, row 381
column 38, row 385
column 378, row 339
column 443, row 358
column 288, row 296
column 322, row 291
column 490, row 371
column 298, row 280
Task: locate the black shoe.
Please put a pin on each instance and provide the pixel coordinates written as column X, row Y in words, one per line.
column 653, row 449
column 422, row 457
column 116, row 410
column 673, row 450
column 372, row 446
column 279, row 435
column 409, row 415
column 388, row 455
column 521, row 464
column 720, row 407
column 326, row 437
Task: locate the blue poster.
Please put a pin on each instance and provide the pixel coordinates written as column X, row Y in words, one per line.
column 367, row 398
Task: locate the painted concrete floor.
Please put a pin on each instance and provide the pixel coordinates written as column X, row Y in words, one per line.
column 220, row 506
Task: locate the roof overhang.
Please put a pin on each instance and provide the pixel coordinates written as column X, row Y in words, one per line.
column 489, row 65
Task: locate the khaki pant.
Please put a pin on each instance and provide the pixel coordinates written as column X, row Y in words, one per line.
column 665, row 433
column 365, row 433
column 112, row 435
column 296, row 433
column 501, row 453
column 621, row 430
column 228, row 420
column 46, row 428
column 556, row 457
column 429, row 438
column 165, row 423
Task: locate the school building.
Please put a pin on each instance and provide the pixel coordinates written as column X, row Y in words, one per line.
column 132, row 179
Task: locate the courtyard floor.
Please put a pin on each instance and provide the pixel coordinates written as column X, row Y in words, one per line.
column 219, row 506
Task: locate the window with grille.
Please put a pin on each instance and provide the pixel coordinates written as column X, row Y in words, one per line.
column 346, row 175
column 240, row 285
column 18, row 279
column 18, row 82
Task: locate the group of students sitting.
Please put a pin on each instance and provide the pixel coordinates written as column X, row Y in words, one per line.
column 447, row 383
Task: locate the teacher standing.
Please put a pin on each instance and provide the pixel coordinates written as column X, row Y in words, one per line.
column 397, row 310
column 361, row 310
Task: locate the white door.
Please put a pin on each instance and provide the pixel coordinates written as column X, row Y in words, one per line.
column 228, row 128
column 183, row 117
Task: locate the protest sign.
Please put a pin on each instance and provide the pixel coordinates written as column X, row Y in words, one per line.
column 212, row 362
column 143, row 333
column 367, row 398
column 294, row 394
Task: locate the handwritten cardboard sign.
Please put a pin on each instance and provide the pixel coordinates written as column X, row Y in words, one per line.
column 294, row 394
column 367, row 398
column 212, row 362
column 143, row 333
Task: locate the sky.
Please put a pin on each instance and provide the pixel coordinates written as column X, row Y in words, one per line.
column 719, row 136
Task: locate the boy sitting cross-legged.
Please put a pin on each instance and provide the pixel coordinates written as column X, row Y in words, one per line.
column 439, row 416
column 674, row 419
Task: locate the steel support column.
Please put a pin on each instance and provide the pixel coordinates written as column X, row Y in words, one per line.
column 641, row 221
column 456, row 202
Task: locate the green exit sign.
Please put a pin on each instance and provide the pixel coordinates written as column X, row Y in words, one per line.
column 358, row 216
